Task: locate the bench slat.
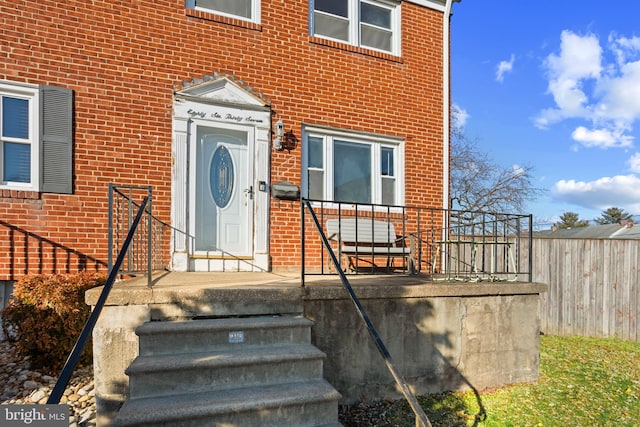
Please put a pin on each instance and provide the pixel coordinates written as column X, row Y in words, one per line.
column 376, row 250
column 362, row 230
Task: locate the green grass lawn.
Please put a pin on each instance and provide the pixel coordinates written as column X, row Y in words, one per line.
column 583, row 382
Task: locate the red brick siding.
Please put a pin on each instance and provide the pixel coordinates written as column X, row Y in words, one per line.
column 123, row 59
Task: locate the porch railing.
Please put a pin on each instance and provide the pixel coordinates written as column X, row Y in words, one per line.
column 85, row 334
column 421, row 417
column 145, row 253
column 448, row 245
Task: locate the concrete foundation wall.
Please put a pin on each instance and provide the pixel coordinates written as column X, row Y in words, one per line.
column 441, row 336
column 437, row 343
column 115, row 345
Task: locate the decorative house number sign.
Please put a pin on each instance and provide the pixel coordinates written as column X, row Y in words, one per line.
column 224, row 116
column 236, row 337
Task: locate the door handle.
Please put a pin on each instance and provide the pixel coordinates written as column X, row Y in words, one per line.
column 249, row 192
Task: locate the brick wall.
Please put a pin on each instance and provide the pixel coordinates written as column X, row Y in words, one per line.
column 123, row 59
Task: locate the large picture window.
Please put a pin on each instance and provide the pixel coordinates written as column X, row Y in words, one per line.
column 373, row 24
column 247, row 10
column 35, row 137
column 353, row 168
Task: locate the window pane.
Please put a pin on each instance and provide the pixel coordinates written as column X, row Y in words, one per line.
column 316, row 185
column 387, row 161
column 315, row 152
column 15, row 117
column 331, row 26
column 388, row 191
column 375, row 15
column 375, row 37
column 232, row 7
column 351, row 172
column 17, row 162
column 334, row 7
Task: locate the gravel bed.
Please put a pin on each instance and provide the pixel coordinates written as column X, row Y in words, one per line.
column 20, row 385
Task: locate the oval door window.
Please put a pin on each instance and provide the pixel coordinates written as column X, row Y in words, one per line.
column 221, row 176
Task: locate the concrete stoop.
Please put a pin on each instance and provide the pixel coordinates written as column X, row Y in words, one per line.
column 253, row 371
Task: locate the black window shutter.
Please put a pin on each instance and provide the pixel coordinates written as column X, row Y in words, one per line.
column 56, row 139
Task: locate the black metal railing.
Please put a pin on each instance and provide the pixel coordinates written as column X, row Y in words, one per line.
column 146, row 253
column 81, row 342
column 421, row 417
column 444, row 244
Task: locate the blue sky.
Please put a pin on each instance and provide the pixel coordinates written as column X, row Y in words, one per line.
column 555, row 85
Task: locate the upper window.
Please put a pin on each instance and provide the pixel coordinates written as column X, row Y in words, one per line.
column 247, row 10
column 353, row 168
column 374, row 24
column 35, row 137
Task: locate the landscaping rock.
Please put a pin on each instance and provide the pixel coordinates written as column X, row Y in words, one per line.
column 21, row 386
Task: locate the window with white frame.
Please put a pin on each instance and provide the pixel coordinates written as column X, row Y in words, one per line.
column 351, row 167
column 373, row 24
column 36, row 137
column 247, row 10
column 18, row 133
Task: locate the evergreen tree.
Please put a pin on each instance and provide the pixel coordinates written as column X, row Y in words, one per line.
column 571, row 220
column 613, row 215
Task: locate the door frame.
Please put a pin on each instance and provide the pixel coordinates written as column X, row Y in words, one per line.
column 220, row 104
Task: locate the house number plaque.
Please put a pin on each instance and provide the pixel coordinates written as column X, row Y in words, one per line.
column 236, row 337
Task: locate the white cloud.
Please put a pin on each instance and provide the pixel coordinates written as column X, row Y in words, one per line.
column 517, row 170
column 620, row 95
column 459, row 115
column 603, row 138
column 634, row 163
column 505, row 67
column 585, row 86
column 625, row 49
column 547, row 117
column 580, row 57
column 579, row 60
column 621, row 191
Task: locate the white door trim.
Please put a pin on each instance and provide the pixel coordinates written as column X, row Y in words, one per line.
column 188, row 115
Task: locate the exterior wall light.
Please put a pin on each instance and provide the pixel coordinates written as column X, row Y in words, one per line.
column 279, row 133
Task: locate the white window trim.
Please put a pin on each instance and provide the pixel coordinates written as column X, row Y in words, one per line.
column 31, row 92
column 354, row 24
column 255, row 12
column 377, row 141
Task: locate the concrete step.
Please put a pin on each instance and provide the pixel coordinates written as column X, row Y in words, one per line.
column 160, row 375
column 254, row 371
column 308, row 404
column 172, row 337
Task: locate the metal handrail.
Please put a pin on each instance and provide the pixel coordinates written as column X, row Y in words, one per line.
column 421, row 417
column 142, row 255
column 443, row 244
column 81, row 342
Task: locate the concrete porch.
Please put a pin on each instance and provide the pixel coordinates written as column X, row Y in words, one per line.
column 442, row 335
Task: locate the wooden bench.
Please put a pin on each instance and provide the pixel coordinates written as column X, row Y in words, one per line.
column 365, row 240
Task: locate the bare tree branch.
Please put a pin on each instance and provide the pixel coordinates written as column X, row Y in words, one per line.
column 479, row 184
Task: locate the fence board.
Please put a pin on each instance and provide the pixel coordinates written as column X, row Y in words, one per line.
column 593, row 286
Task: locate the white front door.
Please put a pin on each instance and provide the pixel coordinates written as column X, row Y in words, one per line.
column 224, row 195
column 220, row 180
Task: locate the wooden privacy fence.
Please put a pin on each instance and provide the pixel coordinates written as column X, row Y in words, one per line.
column 594, row 287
